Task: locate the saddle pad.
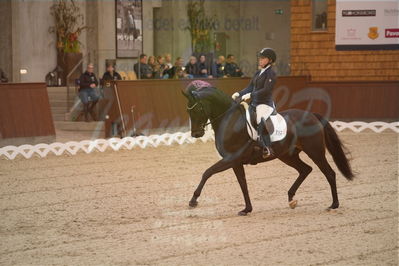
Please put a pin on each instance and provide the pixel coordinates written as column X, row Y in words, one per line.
column 279, row 124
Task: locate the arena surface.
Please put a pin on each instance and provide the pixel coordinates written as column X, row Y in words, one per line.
column 131, row 207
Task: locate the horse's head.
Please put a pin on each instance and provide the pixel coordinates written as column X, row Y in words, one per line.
column 197, row 107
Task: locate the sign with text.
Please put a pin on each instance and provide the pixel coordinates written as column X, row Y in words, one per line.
column 367, row 25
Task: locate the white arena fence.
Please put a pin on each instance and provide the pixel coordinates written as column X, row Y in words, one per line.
column 128, row 143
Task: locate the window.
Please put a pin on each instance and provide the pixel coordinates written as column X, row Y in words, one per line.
column 319, row 15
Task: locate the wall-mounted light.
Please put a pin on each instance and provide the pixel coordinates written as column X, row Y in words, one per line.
column 23, row 71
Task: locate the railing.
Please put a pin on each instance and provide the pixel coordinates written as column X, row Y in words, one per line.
column 68, row 77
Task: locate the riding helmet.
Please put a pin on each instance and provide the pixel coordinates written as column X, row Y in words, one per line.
column 269, row 53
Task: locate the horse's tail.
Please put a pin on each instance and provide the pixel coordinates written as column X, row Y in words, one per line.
column 336, row 148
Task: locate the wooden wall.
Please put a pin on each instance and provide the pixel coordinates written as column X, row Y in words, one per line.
column 160, row 104
column 314, row 54
column 25, row 111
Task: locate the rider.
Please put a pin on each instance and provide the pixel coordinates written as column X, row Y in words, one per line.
column 260, row 92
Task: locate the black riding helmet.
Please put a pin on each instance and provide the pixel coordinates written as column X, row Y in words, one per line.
column 268, row 53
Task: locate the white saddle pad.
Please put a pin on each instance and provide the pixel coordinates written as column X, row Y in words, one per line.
column 279, row 124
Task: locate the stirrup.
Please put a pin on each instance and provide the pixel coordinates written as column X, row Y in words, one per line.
column 266, row 152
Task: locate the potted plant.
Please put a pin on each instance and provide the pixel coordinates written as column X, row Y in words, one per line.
column 200, row 27
column 68, row 26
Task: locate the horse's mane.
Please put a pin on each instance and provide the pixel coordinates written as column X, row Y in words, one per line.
column 208, row 91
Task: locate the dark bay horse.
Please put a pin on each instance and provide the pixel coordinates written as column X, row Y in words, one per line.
column 307, row 132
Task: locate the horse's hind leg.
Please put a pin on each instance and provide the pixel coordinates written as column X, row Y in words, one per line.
column 220, row 166
column 303, row 170
column 319, row 158
column 325, row 167
column 240, row 174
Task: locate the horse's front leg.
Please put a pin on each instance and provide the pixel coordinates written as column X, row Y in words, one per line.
column 240, row 174
column 220, row 166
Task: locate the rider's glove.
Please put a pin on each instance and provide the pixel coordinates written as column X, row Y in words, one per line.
column 246, row 97
column 235, row 96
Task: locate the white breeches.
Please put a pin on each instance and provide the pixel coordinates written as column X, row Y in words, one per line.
column 263, row 111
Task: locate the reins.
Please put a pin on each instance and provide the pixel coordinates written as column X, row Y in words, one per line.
column 214, row 119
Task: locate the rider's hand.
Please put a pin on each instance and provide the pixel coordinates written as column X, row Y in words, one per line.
column 235, row 96
column 246, row 97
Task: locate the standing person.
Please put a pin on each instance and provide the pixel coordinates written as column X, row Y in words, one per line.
column 220, row 65
column 231, row 68
column 3, row 77
column 259, row 92
column 111, row 74
column 87, row 92
column 192, row 67
column 145, row 70
column 107, row 90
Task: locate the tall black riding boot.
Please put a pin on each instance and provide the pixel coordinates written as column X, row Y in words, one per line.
column 86, row 111
column 264, row 139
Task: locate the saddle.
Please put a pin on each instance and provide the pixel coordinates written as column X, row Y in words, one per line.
column 275, row 125
column 268, row 124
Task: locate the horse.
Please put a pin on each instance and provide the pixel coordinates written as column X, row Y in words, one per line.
column 306, row 131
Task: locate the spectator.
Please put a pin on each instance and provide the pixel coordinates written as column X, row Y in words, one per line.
column 145, row 69
column 178, row 63
column 87, row 92
column 111, row 74
column 168, row 61
column 231, row 68
column 192, row 67
column 159, row 70
column 151, row 63
column 3, row 77
column 220, row 65
column 206, row 70
column 179, row 73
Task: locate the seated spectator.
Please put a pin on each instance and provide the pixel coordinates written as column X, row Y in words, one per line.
column 192, row 67
column 145, row 71
column 3, row 77
column 159, row 69
column 111, row 74
column 87, row 92
column 231, row 68
column 178, row 63
column 168, row 61
column 152, row 63
column 220, row 65
column 206, row 69
column 180, row 73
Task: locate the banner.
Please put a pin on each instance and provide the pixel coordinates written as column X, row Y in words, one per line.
column 367, row 25
column 129, row 28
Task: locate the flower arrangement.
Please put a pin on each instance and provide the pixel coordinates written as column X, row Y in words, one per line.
column 68, row 25
column 200, row 26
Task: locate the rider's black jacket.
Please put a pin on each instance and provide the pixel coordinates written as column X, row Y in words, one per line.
column 261, row 87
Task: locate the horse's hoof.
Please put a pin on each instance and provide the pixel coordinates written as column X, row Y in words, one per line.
column 245, row 211
column 333, row 206
column 193, row 204
column 242, row 213
column 293, row 204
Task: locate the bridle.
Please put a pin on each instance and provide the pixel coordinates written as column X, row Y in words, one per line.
column 203, row 125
